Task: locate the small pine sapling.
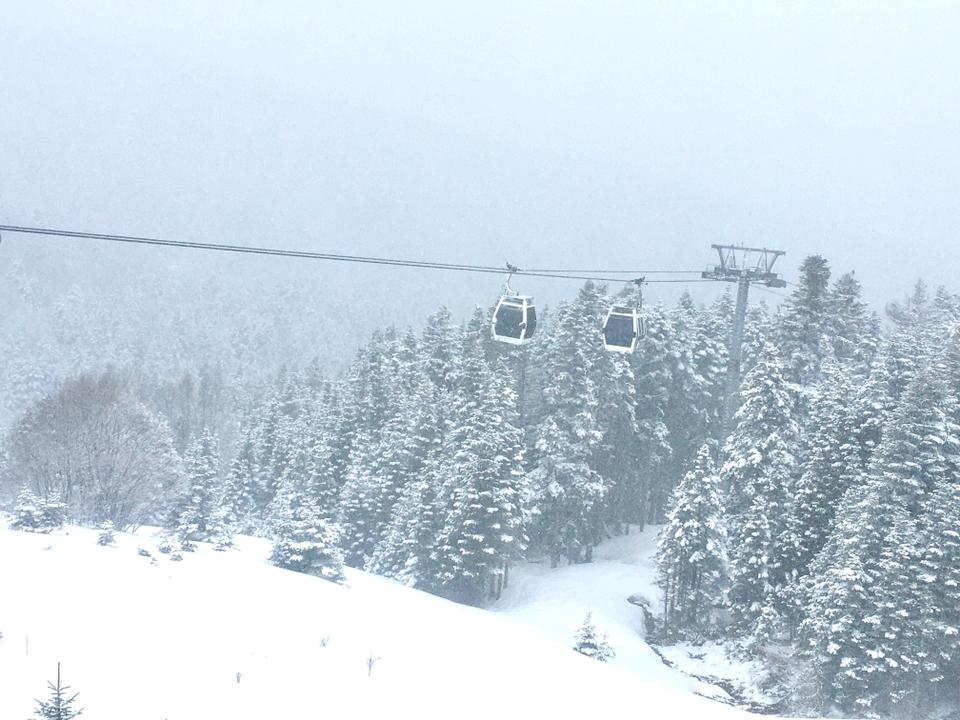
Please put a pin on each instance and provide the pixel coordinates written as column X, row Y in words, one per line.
column 221, row 534
column 587, row 642
column 106, row 534
column 59, row 706
column 371, row 661
column 27, row 514
column 35, row 514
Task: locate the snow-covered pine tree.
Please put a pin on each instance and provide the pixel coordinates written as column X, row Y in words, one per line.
column 482, row 531
column 939, row 564
column 710, row 351
column 803, row 333
column 842, row 600
column 27, row 512
column 568, row 492
column 309, row 466
column 853, row 330
column 60, row 704
column 303, row 541
column 691, row 551
column 688, row 409
column 241, row 488
column 405, row 552
column 193, row 514
column 757, row 472
column 871, row 612
column 377, row 476
column 389, row 385
column 944, row 318
column 907, row 347
column 588, row 642
column 758, row 330
column 106, row 535
column 358, row 509
column 36, row 514
column 406, row 544
column 53, row 512
column 832, row 460
column 440, row 346
column 652, row 370
column 949, row 366
column 274, row 436
column 615, row 456
column 221, row 529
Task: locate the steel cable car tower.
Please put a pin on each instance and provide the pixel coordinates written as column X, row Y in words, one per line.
column 742, row 265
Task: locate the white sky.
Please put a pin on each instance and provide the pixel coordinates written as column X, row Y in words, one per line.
column 621, row 134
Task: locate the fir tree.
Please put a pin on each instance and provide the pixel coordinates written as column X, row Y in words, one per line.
column 221, row 529
column 804, row 332
column 241, row 485
column 569, row 492
column 305, row 542
column 406, row 550
column 652, row 370
column 853, row 330
column 688, row 408
column 939, row 573
column 907, row 346
column 408, row 541
column 832, row 461
column 193, row 517
column 758, row 468
column 614, row 457
column 440, row 346
column 359, row 509
column 482, row 531
column 710, row 352
column 690, row 551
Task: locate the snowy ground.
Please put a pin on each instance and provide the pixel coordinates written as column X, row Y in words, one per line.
column 554, row 602
column 224, row 635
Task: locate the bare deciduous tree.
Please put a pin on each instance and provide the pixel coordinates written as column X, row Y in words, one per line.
column 99, row 449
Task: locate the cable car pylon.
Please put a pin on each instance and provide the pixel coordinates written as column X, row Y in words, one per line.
column 742, row 265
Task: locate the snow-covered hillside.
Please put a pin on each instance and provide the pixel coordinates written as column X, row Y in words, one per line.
column 224, row 635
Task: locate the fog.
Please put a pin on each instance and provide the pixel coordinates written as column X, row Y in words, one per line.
column 545, row 134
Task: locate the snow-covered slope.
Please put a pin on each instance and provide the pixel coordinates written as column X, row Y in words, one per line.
column 224, row 635
column 553, row 602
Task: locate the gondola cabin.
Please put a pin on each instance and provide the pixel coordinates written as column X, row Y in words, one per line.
column 623, row 329
column 514, row 319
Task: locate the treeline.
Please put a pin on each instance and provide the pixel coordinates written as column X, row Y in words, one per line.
column 440, row 455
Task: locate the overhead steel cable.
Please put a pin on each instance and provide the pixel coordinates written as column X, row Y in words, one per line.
column 336, row 257
column 617, row 272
